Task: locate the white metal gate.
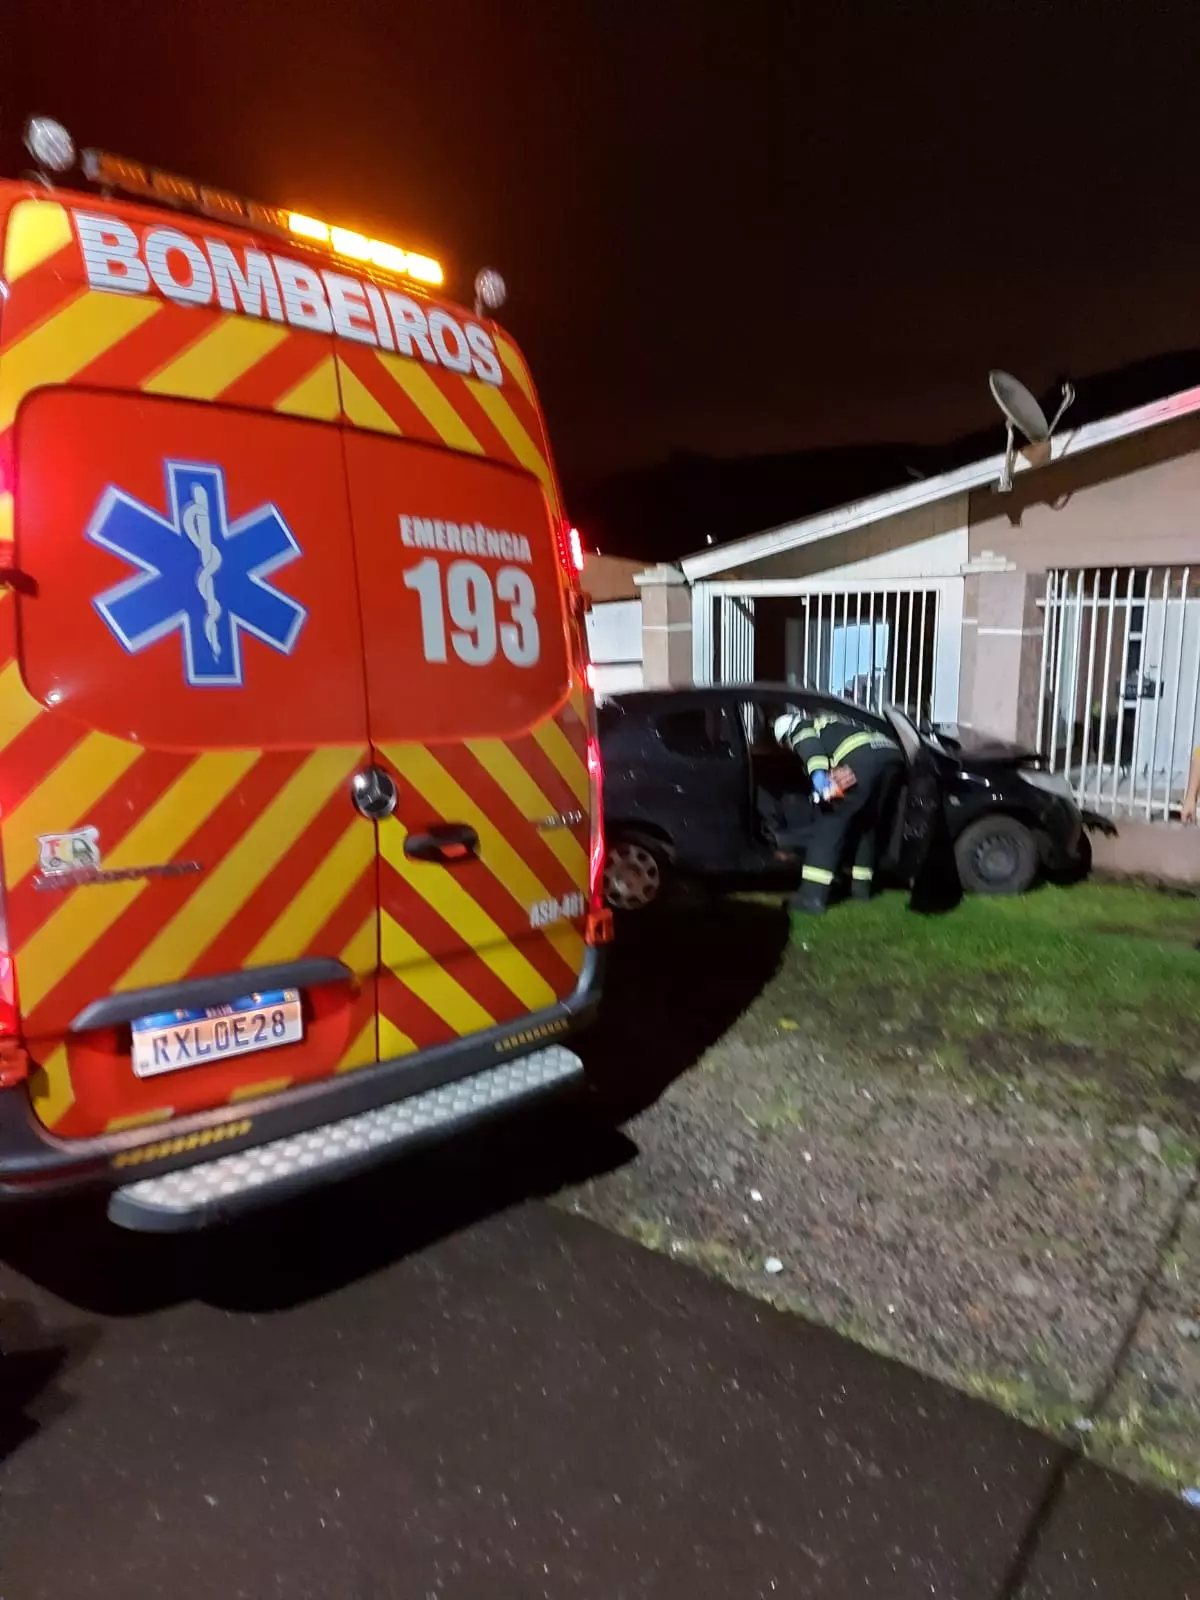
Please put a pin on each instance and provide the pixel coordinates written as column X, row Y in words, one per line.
column 1120, row 685
column 877, row 647
column 734, row 661
column 883, row 644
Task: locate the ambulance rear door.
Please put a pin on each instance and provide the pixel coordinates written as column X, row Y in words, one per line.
column 179, row 804
column 477, row 739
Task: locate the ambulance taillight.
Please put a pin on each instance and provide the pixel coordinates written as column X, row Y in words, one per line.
column 570, row 551
column 600, row 918
column 14, row 1064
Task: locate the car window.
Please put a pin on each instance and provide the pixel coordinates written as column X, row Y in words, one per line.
column 699, row 732
column 758, row 717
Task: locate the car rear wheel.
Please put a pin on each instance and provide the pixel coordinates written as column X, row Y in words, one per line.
column 635, row 875
column 996, row 855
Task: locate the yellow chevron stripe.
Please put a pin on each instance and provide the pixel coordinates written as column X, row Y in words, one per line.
column 217, row 359
column 37, row 230
column 561, row 753
column 361, row 406
column 361, row 1053
column 515, row 367
column 56, row 350
column 87, row 913
column 139, row 1119
column 50, row 1089
column 508, row 425
column 578, row 700
column 226, row 888
column 361, row 955
column 63, row 798
column 392, row 1042
column 259, row 1091
column 421, row 768
column 298, row 924
column 445, row 893
column 499, row 762
column 18, row 708
column 6, row 517
column 430, row 401
column 431, row 983
column 316, row 395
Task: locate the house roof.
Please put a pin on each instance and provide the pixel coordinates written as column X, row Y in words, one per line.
column 927, row 491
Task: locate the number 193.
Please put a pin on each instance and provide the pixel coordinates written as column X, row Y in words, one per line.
column 461, row 615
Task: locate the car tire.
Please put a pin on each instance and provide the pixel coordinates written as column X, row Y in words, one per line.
column 636, row 870
column 996, row 855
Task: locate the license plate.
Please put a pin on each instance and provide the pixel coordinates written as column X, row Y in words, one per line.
column 169, row 1041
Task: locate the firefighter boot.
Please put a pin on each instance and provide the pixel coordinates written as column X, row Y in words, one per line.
column 862, row 883
column 812, row 896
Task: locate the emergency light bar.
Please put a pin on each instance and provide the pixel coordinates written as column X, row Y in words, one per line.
column 116, row 172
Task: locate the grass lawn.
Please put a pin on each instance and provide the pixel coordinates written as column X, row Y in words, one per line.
column 1091, row 991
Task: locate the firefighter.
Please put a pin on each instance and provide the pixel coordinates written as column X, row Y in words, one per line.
column 854, row 769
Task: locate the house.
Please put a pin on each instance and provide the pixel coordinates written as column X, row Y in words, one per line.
column 614, row 623
column 1063, row 613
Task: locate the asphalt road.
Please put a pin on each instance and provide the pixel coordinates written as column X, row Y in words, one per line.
column 430, row 1384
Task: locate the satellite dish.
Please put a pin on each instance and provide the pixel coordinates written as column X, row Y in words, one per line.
column 1019, row 406
column 1021, row 411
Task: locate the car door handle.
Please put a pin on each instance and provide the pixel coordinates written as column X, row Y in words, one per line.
column 450, row 843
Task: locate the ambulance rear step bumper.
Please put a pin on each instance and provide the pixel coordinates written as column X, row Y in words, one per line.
column 192, row 1197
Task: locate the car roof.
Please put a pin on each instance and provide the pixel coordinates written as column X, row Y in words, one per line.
column 648, row 701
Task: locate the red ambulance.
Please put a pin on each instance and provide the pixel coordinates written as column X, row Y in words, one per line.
column 299, row 785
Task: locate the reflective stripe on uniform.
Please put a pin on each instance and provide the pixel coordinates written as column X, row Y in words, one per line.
column 863, row 874
column 856, row 741
column 816, row 875
column 817, row 763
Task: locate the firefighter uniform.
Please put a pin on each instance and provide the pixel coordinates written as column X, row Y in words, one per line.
column 848, row 825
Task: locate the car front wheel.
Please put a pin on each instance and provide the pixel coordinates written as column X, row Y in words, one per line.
column 996, row 855
column 635, row 875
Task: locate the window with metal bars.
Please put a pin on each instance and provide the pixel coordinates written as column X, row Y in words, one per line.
column 1120, row 685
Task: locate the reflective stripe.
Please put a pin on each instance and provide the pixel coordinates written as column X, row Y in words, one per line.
column 816, row 875
column 807, row 733
column 862, row 874
column 818, row 763
column 856, row 741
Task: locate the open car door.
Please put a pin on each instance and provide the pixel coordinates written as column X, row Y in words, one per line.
column 921, row 854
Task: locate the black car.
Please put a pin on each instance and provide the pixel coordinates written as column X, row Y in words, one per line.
column 695, row 785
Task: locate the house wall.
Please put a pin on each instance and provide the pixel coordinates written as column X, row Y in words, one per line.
column 1135, row 502
column 666, row 627
column 609, row 577
column 614, row 630
column 614, row 624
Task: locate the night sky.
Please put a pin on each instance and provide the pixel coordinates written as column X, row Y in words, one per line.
column 734, row 228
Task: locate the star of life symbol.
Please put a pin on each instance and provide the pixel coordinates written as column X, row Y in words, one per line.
column 200, row 574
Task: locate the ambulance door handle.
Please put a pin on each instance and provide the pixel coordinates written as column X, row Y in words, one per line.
column 450, row 843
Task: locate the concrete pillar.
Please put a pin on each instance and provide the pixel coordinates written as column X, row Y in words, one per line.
column 666, row 627
column 1002, row 648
